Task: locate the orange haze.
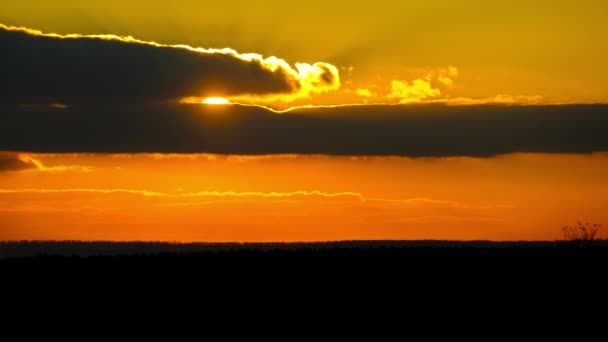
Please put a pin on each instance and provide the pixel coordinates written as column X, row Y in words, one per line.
column 299, row 198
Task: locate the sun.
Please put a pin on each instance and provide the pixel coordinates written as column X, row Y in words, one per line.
column 215, row 101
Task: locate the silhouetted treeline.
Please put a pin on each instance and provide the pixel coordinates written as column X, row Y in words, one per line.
column 363, row 291
column 97, row 248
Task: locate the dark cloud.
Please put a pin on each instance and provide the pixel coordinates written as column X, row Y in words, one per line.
column 11, row 162
column 405, row 130
column 38, row 68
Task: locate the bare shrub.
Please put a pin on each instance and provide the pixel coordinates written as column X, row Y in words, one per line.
column 580, row 234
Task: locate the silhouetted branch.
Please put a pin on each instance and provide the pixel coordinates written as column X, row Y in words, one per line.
column 582, row 234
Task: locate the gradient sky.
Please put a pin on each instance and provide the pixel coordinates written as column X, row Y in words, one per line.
column 293, row 198
column 439, row 120
column 553, row 49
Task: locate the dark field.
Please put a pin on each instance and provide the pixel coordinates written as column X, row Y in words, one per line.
column 354, row 288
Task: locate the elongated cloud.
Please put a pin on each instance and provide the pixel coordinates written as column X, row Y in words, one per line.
column 275, row 194
column 226, row 194
column 51, row 68
column 211, row 197
column 421, row 130
column 81, row 190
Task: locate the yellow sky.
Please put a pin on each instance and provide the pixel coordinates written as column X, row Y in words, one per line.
column 555, row 49
column 300, row 198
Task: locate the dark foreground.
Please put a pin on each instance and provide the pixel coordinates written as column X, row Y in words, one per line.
column 341, row 291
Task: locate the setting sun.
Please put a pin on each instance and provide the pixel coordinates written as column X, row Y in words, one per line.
column 215, row 101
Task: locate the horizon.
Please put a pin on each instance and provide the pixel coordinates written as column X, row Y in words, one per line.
column 85, row 249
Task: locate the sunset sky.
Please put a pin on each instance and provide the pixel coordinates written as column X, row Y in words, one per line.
column 279, row 121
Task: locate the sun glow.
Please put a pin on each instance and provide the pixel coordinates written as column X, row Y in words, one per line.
column 215, row 101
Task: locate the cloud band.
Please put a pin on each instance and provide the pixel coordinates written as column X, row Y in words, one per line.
column 401, row 130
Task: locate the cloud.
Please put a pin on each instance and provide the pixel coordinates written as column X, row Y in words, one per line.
column 91, row 214
column 420, row 130
column 363, row 92
column 419, row 204
column 12, row 162
column 200, row 194
column 417, row 91
column 66, row 69
column 453, row 71
column 446, row 80
column 82, row 191
column 273, row 194
column 428, row 89
column 437, row 85
column 314, row 79
column 37, row 164
column 498, row 99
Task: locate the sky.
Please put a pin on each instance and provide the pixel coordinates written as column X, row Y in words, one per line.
column 274, row 121
column 554, row 49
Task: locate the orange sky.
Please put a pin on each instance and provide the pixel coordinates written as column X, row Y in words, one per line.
column 300, row 198
column 110, row 77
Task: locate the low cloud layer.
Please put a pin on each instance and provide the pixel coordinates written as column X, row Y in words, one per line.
column 404, row 130
column 51, row 68
column 12, row 162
